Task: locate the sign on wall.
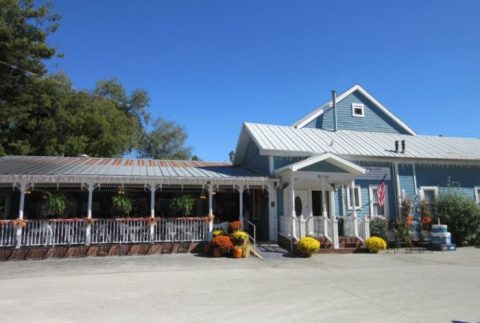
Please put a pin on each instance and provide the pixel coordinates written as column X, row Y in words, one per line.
column 376, row 173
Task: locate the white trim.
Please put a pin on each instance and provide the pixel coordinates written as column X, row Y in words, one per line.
column 385, row 204
column 358, row 106
column 477, row 194
column 428, row 188
column 357, row 201
column 334, row 159
column 317, row 112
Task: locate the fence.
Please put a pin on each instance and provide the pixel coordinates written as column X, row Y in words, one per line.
column 57, row 232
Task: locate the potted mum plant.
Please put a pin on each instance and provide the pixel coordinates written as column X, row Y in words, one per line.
column 307, row 246
column 222, row 246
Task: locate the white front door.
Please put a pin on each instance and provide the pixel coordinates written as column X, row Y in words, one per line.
column 300, row 204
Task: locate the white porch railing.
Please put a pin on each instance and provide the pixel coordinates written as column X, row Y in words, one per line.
column 181, row 229
column 285, row 225
column 320, row 227
column 54, row 232
column 57, row 232
column 348, row 226
column 364, row 228
column 7, row 234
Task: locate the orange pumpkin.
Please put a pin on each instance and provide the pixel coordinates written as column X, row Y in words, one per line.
column 237, row 252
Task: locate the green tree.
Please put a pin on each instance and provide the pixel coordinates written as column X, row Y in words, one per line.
column 165, row 141
column 24, row 29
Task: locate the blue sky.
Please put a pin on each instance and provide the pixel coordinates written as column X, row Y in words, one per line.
column 211, row 65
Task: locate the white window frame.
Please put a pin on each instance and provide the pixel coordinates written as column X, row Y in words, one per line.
column 428, row 188
column 385, row 203
column 477, row 194
column 359, row 202
column 358, row 106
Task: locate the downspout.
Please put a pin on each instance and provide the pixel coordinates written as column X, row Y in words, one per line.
column 334, row 104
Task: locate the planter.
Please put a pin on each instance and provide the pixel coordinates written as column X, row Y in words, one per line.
column 217, row 252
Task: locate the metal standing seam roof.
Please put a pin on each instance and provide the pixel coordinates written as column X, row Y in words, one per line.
column 290, row 141
column 119, row 167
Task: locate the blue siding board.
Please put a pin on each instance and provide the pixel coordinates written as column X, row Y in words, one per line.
column 254, row 161
column 407, row 182
column 374, row 119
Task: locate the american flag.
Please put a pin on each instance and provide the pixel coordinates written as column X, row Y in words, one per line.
column 381, row 193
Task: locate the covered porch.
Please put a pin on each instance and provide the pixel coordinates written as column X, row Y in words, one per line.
column 221, row 194
column 311, row 200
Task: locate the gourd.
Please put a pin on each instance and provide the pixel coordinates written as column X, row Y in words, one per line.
column 237, row 252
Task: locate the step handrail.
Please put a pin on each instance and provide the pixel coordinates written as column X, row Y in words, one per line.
column 254, row 238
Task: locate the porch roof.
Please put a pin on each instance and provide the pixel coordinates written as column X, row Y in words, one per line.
column 83, row 169
column 333, row 159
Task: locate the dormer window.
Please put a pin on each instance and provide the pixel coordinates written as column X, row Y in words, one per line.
column 358, row 110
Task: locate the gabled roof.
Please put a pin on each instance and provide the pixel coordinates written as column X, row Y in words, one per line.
column 320, row 110
column 331, row 158
column 289, row 141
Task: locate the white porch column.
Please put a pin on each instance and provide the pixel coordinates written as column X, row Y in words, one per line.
column 88, row 229
column 272, row 213
column 18, row 233
column 153, row 189
column 240, row 204
column 210, row 207
column 334, row 220
column 354, row 210
column 292, row 205
column 325, row 218
column 23, row 190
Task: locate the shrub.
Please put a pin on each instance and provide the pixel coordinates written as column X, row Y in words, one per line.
column 374, row 244
column 234, row 226
column 462, row 215
column 239, row 237
column 308, row 245
column 378, row 227
column 57, row 203
column 223, row 242
column 122, row 204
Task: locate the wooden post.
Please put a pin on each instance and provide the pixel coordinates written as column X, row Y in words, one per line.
column 88, row 229
column 334, row 220
column 354, row 210
column 18, row 232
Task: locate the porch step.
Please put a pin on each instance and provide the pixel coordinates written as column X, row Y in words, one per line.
column 350, row 242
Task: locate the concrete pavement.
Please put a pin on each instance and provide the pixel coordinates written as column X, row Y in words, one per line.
column 438, row 287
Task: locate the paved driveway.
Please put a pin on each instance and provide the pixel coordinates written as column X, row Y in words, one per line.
column 439, row 287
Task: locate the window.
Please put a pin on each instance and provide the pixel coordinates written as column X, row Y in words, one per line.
column 358, row 198
column 477, row 194
column 358, row 110
column 375, row 209
column 429, row 194
column 298, row 206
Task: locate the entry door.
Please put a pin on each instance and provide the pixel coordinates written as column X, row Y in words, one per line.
column 301, row 205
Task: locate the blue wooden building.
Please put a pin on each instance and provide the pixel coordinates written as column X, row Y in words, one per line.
column 317, row 177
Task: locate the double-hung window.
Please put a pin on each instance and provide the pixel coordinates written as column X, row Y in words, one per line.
column 375, row 208
column 358, row 198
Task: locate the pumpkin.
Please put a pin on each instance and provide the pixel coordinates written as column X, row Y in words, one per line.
column 237, row 252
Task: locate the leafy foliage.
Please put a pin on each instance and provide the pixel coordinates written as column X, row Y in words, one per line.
column 43, row 114
column 379, row 227
column 462, row 215
column 183, row 203
column 122, row 204
column 165, row 141
column 57, row 203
